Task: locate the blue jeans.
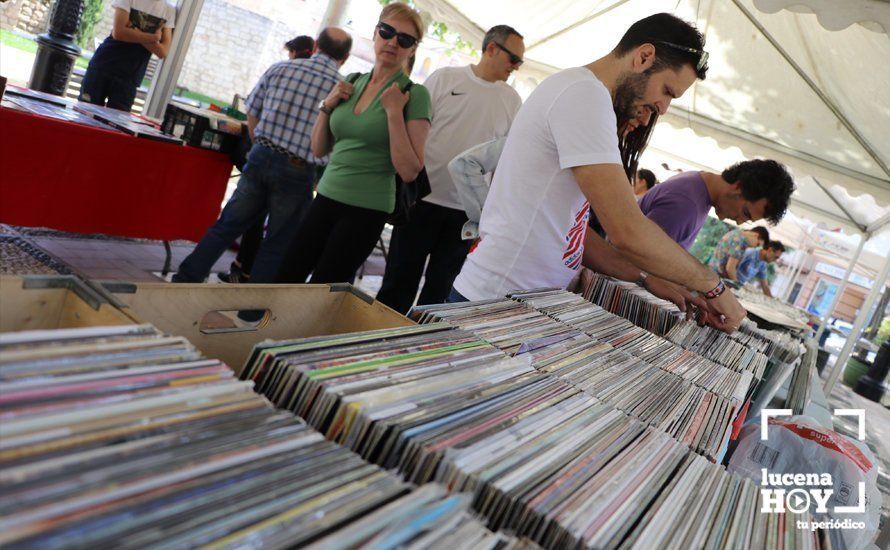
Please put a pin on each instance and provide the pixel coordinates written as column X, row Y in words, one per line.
column 269, row 183
column 455, row 297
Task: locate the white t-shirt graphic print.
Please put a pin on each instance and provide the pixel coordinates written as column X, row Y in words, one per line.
column 535, row 217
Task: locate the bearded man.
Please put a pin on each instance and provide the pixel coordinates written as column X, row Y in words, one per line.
column 561, row 158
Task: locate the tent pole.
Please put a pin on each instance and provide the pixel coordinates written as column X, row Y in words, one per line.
column 870, row 300
column 798, row 266
column 840, row 291
column 799, row 260
column 335, row 14
column 164, row 82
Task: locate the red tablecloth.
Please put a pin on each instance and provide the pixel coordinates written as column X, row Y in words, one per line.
column 75, row 178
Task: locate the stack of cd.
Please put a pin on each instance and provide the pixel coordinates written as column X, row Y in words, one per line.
column 691, row 415
column 630, row 301
column 121, row 436
column 606, row 327
column 504, row 323
column 801, row 381
column 702, row 506
column 779, row 346
column 718, row 347
column 661, row 317
column 428, row 517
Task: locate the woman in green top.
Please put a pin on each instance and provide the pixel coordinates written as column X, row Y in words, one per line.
column 372, row 128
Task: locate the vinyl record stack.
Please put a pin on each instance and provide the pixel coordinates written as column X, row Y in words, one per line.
column 802, row 381
column 122, row 436
column 693, row 400
column 630, row 301
column 543, row 458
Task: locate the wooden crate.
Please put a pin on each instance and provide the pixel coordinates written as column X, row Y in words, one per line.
column 50, row 302
column 294, row 311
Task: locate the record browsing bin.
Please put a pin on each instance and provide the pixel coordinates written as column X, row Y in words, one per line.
column 51, row 302
column 207, row 315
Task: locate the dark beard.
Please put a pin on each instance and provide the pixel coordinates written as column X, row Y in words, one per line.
column 630, row 90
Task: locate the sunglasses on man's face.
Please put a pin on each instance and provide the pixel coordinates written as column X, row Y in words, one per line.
column 514, row 59
column 403, row 39
column 702, row 55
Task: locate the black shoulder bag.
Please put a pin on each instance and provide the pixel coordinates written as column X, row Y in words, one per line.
column 408, row 193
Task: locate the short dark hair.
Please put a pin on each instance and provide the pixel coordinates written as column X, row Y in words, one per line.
column 498, row 35
column 763, row 178
column 659, row 30
column 762, row 232
column 648, row 177
column 775, row 245
column 336, row 49
column 301, row 46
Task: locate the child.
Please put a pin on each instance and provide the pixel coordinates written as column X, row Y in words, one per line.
column 141, row 28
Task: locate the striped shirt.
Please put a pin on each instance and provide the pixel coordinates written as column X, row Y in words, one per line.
column 286, row 99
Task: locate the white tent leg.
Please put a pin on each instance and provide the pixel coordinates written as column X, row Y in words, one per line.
column 165, row 79
column 841, row 288
column 870, row 299
column 335, row 14
column 799, row 259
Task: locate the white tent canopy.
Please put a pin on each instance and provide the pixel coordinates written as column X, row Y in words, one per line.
column 781, row 85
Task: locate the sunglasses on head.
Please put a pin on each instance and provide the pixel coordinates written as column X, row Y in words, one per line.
column 404, row 40
column 703, row 55
column 514, row 59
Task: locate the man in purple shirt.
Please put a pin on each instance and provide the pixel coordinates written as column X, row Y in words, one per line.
column 746, row 191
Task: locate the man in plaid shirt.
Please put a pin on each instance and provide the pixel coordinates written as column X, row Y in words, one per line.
column 280, row 170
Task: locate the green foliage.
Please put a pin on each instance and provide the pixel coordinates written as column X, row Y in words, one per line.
column 92, row 14
column 8, row 38
column 884, row 331
column 711, row 233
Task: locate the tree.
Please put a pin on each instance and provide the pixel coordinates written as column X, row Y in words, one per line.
column 711, row 233
column 92, row 14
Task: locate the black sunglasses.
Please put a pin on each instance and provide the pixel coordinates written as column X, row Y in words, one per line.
column 514, row 59
column 403, row 39
column 703, row 55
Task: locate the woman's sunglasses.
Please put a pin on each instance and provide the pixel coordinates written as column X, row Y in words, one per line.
column 403, row 39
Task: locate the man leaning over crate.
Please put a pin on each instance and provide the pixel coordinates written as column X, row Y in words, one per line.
column 561, row 158
column 280, row 169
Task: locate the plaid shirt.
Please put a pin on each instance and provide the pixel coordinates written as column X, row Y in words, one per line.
column 286, row 99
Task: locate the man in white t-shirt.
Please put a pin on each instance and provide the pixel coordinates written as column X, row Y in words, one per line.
column 471, row 105
column 561, row 158
column 141, row 28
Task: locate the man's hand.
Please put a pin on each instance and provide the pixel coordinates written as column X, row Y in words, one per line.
column 668, row 291
column 726, row 312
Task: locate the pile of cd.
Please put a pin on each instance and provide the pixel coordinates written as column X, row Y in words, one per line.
column 654, row 350
column 660, row 316
column 719, row 347
column 121, row 436
column 689, row 414
column 801, row 381
column 630, row 301
column 504, row 323
column 779, row 346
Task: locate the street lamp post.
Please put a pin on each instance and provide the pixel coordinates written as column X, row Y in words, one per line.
column 56, row 49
